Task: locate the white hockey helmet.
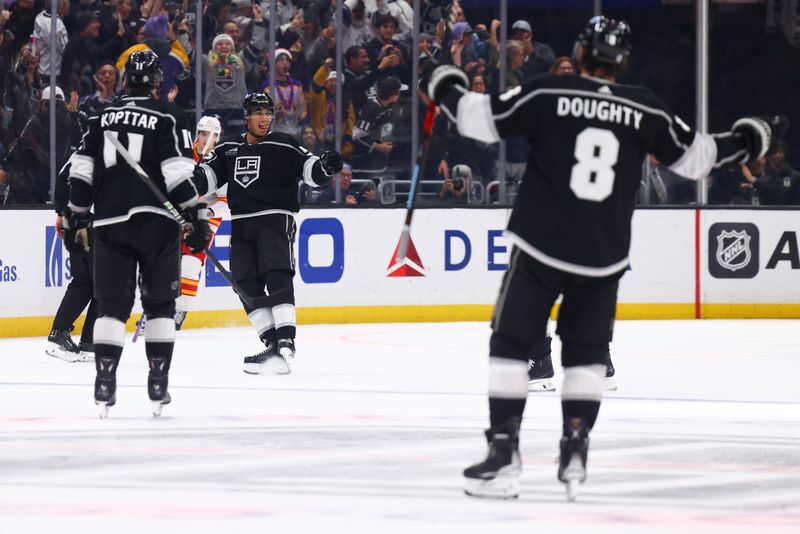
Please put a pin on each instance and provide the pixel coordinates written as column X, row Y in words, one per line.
column 209, row 124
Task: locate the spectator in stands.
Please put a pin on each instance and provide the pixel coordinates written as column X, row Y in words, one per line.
column 322, row 100
column 349, row 194
column 20, row 23
column 539, row 57
column 106, row 79
column 225, row 84
column 385, row 44
column 250, row 45
column 161, row 39
column 753, row 172
column 780, row 184
column 84, row 54
column 429, row 49
column 358, row 78
column 214, row 18
column 21, row 94
column 403, row 13
column 455, row 183
column 284, row 12
column 120, row 11
column 291, row 108
column 564, row 66
column 358, row 31
column 372, row 135
column 41, row 31
column 461, row 52
column 28, row 160
column 323, row 47
column 515, row 60
column 293, row 42
column 310, row 141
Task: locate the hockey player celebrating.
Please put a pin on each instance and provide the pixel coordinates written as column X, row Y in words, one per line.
column 207, row 135
column 262, row 170
column 132, row 229
column 588, row 137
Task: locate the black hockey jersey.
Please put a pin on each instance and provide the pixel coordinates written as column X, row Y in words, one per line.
column 263, row 177
column 155, row 135
column 588, row 139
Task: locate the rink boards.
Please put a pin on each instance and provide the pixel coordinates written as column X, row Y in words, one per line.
column 683, row 264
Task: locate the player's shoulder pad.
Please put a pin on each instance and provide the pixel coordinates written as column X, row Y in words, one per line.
column 283, row 138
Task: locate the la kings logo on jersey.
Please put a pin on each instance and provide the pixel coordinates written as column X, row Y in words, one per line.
column 246, row 170
column 733, row 250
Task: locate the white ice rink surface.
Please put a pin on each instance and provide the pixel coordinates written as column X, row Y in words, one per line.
column 373, row 427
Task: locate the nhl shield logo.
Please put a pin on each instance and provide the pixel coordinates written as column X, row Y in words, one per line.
column 246, row 170
column 733, row 250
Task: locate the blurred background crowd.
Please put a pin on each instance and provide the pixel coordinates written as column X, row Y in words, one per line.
column 289, row 48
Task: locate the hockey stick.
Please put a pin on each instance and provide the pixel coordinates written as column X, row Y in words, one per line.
column 427, row 129
column 253, row 302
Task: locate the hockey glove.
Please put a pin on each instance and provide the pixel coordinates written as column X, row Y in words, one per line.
column 77, row 236
column 443, row 77
column 198, row 234
column 331, row 162
column 757, row 135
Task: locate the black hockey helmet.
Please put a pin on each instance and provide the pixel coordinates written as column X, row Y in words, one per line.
column 143, row 70
column 255, row 101
column 605, row 40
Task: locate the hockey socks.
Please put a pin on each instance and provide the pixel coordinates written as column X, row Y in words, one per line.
column 508, row 389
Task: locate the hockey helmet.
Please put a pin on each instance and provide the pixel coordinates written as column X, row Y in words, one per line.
column 209, row 124
column 605, row 40
column 143, row 69
column 255, row 101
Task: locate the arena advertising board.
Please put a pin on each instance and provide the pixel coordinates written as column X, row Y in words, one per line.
column 345, row 258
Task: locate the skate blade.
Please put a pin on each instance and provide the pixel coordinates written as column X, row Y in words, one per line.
column 274, row 365
column 87, row 357
column 500, row 487
column 609, row 384
column 573, row 476
column 541, row 384
column 58, row 353
column 102, row 407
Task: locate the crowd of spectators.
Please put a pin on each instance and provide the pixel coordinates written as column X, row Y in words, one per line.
column 94, row 39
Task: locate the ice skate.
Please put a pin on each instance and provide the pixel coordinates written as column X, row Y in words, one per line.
column 572, row 460
column 286, row 349
column 497, row 477
column 540, row 375
column 267, row 361
column 105, row 394
column 61, row 346
column 105, row 385
column 157, row 382
column 86, row 351
column 180, row 317
column 609, row 383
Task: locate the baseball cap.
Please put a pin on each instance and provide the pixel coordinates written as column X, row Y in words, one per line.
column 46, row 93
column 523, row 25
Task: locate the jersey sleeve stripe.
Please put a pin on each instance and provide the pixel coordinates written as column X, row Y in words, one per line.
column 82, row 168
column 176, row 170
column 698, row 160
column 475, row 118
column 211, row 178
column 308, row 171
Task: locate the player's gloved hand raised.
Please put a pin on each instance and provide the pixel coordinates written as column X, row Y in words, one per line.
column 445, row 76
column 331, row 162
column 77, row 238
column 198, row 234
column 757, row 133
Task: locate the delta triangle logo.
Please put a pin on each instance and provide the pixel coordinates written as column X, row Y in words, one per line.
column 410, row 266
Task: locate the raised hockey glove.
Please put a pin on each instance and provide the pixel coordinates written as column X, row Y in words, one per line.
column 443, row 77
column 198, row 234
column 757, row 135
column 77, row 236
column 331, row 162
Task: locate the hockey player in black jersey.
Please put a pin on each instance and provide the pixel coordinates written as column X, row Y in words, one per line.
column 132, row 229
column 571, row 227
column 262, row 170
